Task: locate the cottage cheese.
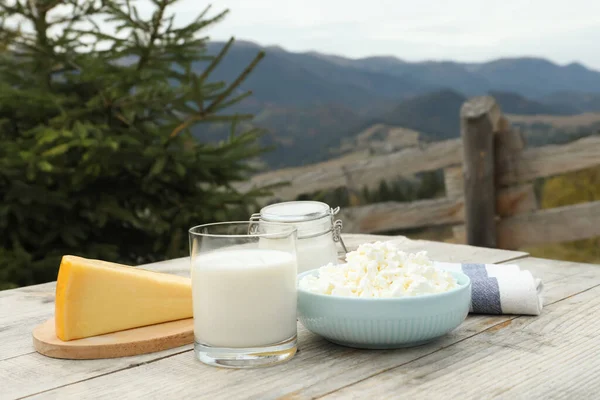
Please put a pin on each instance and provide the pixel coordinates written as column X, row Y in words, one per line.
column 380, row 270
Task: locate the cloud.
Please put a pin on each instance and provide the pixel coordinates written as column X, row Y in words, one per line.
column 468, row 30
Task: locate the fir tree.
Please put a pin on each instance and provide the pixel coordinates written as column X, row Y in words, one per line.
column 96, row 154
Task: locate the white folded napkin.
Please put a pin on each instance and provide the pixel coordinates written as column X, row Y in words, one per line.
column 500, row 289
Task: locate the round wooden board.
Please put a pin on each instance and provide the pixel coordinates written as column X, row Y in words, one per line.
column 131, row 342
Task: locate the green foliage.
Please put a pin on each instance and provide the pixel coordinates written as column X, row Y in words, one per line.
column 574, row 188
column 96, row 154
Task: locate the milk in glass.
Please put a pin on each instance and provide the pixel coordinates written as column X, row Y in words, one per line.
column 244, row 298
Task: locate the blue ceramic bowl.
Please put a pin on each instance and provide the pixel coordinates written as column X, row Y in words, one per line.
column 385, row 323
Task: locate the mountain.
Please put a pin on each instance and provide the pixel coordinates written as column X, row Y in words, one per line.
column 435, row 74
column 385, row 64
column 387, row 85
column 302, row 135
column 315, row 104
column 435, row 114
column 278, row 81
column 535, row 77
column 308, row 135
column 309, row 79
column 580, row 102
column 513, row 103
column 528, row 76
column 303, row 80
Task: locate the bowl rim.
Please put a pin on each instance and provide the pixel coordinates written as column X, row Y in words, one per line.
column 459, row 288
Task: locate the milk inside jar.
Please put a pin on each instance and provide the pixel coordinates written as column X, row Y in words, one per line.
column 318, row 233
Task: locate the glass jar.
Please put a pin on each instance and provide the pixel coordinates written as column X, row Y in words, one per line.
column 318, row 232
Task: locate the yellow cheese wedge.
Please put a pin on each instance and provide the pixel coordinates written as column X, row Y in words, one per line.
column 94, row 297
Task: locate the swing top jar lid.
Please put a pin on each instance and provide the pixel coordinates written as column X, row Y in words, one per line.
column 296, row 211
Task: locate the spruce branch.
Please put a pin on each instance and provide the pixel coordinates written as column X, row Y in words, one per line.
column 233, row 101
column 213, row 107
column 236, row 83
column 210, row 68
column 157, row 19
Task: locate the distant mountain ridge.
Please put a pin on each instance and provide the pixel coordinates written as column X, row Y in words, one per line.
column 310, row 102
column 528, row 76
column 392, row 77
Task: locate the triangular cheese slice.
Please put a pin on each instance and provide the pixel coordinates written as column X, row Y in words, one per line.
column 95, row 297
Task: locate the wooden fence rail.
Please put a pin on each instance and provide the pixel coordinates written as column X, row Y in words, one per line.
column 490, row 200
column 368, row 172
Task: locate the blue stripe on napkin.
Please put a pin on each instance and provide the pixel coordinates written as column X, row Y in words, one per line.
column 475, row 271
column 485, row 292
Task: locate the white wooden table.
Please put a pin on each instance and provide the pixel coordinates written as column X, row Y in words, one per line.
column 555, row 355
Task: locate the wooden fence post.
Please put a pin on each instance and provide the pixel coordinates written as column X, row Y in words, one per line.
column 479, row 119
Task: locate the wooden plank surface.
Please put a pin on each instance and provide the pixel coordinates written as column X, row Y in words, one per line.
column 321, row 368
column 23, row 309
column 554, row 355
column 26, row 307
column 21, row 368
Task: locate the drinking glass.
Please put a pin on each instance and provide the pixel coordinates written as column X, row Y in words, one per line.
column 244, row 293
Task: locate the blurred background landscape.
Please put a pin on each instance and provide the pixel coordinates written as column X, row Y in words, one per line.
column 119, row 130
column 349, row 109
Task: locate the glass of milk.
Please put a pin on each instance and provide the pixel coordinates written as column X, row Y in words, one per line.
column 244, row 293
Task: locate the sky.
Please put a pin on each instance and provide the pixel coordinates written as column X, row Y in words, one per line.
column 563, row 31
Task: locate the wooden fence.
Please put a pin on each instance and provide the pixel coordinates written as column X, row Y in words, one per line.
column 490, row 199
